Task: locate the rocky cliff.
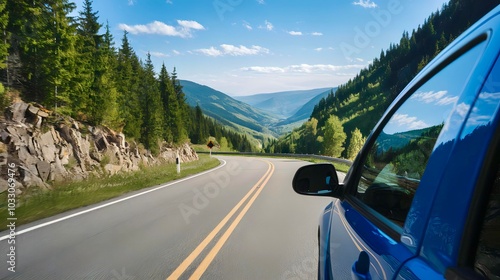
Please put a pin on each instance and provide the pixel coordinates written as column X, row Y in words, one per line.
column 45, row 147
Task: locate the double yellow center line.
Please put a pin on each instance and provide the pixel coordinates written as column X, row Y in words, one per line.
column 254, row 192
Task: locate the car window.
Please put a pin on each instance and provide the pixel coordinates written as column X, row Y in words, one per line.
column 396, row 161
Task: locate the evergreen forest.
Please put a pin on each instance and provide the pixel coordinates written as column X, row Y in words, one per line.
column 71, row 66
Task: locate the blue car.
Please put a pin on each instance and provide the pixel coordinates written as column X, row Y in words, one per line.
column 422, row 198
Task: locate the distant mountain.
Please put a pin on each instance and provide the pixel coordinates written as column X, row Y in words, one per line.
column 260, row 115
column 399, row 140
column 283, row 104
column 304, row 112
column 226, row 109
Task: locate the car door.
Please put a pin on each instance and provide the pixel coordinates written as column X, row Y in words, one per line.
column 400, row 161
column 462, row 236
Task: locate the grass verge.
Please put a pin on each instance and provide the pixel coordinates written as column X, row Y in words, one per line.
column 204, row 148
column 36, row 204
column 340, row 167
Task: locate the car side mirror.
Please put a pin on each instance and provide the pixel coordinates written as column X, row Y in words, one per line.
column 317, row 179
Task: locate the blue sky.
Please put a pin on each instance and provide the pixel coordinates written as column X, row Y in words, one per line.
column 243, row 47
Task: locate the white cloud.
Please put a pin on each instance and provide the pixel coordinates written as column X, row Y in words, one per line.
column 184, row 29
column 299, row 33
column 170, row 2
column 242, row 50
column 190, row 24
column 262, row 2
column 302, row 68
column 447, row 100
column 308, row 68
column 264, row 69
column 159, row 54
column 267, row 25
column 490, row 98
column 210, row 52
column 438, row 97
column 247, row 25
column 462, row 109
column 131, row 2
column 409, row 123
column 226, row 49
column 318, row 49
column 176, row 52
column 365, row 3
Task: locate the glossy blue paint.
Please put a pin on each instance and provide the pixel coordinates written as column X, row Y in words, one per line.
column 323, row 242
column 386, row 254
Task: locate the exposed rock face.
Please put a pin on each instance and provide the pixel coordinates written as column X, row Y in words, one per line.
column 69, row 150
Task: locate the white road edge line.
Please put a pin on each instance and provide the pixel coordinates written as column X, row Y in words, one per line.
column 113, row 202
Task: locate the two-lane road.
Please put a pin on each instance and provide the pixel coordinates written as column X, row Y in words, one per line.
column 240, row 221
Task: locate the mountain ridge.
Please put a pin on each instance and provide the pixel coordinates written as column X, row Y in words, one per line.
column 283, row 104
column 267, row 118
column 304, row 112
column 233, row 111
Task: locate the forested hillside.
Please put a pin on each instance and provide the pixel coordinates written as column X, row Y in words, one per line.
column 203, row 127
column 357, row 105
column 68, row 65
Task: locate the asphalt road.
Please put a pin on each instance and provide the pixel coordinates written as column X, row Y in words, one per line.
column 240, row 221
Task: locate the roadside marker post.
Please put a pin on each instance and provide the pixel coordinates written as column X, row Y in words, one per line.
column 178, row 163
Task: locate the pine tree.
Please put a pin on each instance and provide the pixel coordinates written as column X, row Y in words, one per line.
column 61, row 72
column 182, row 111
column 200, row 132
column 45, row 47
column 178, row 87
column 16, row 28
column 127, row 82
column 166, row 90
column 105, row 83
column 152, row 108
column 4, row 45
column 19, row 30
column 88, row 100
column 194, row 132
column 4, row 53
